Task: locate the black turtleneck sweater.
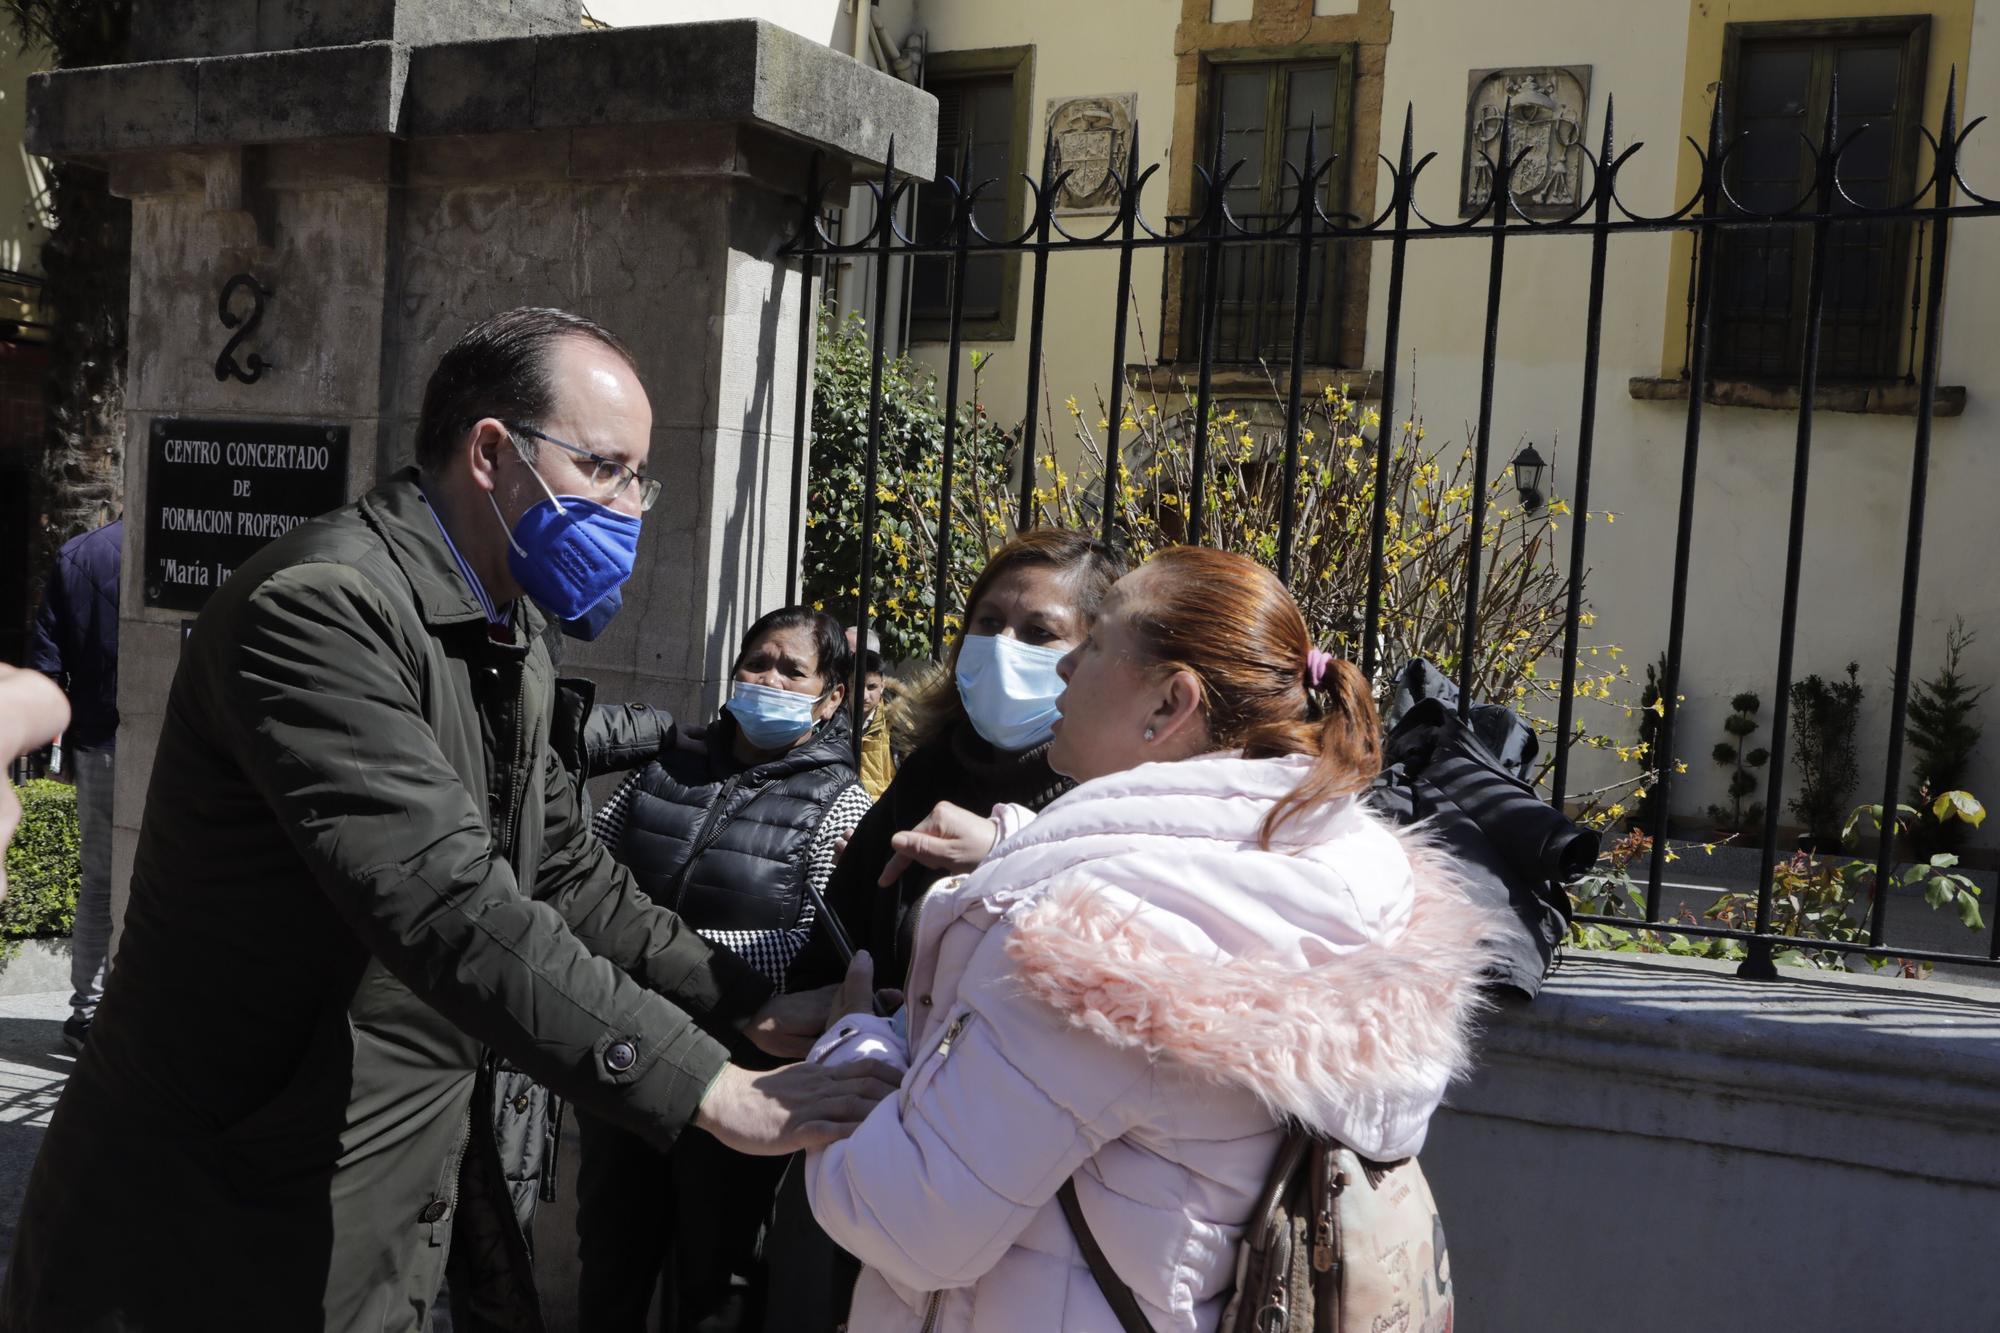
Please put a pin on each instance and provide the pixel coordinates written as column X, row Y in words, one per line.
column 958, row 767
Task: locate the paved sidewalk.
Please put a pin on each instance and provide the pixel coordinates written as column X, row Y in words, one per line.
column 34, row 1064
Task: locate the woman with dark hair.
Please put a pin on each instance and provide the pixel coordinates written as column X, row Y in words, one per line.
column 1137, row 990
column 982, row 736
column 977, row 736
column 734, row 839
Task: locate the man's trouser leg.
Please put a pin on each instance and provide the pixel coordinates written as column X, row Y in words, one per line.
column 90, row 941
column 624, row 1225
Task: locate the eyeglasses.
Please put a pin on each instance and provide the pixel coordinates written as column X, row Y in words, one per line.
column 609, row 478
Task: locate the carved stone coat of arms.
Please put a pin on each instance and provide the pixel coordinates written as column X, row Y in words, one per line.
column 1090, row 138
column 1543, row 109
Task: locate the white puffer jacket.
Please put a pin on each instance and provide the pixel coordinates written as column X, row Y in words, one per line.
column 1130, row 990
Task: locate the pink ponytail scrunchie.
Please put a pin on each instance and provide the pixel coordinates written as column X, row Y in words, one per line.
column 1318, row 663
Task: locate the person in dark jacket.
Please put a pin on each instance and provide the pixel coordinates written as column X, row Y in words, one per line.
column 983, row 740
column 76, row 645
column 736, row 840
column 361, row 876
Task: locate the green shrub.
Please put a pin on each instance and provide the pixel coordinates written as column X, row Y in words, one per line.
column 1824, row 712
column 1943, row 736
column 43, row 864
column 907, row 487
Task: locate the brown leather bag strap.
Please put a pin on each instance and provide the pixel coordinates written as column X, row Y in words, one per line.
column 1267, row 1213
column 1123, row 1303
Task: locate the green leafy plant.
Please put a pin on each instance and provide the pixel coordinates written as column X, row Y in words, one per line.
column 43, row 863
column 907, row 488
column 1609, row 890
column 1432, row 495
column 1814, row 897
column 1736, row 755
column 1823, row 719
column 1811, row 898
column 1938, row 876
column 1942, row 739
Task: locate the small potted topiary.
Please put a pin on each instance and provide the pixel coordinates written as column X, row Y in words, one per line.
column 1737, row 820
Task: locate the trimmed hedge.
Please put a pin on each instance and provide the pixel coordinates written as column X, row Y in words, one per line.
column 44, row 864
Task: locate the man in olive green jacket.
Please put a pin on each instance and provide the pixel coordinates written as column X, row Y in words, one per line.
column 361, row 876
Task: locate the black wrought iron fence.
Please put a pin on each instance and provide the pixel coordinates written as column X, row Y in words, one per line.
column 1212, row 236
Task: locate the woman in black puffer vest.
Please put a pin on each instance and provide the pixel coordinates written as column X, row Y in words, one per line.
column 729, row 839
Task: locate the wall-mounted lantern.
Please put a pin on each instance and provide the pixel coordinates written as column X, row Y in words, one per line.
column 1529, row 468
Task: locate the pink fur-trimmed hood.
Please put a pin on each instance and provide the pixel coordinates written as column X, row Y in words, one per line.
column 1132, row 993
column 1335, row 976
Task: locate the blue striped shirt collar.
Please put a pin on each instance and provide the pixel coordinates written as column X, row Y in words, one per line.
column 494, row 615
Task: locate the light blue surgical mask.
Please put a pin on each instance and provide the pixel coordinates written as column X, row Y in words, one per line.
column 1010, row 690
column 771, row 718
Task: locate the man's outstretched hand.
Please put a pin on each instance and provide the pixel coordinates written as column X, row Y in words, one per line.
column 797, row 1107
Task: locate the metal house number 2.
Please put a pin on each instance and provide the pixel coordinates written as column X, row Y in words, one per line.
column 226, row 365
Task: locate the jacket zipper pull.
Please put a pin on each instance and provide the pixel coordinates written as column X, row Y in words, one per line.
column 956, row 1026
column 951, row 1035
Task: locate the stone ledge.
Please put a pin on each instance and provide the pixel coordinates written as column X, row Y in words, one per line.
column 188, row 28
column 744, row 71
column 1875, row 397
column 1234, row 383
column 734, row 71
column 1895, row 1075
column 270, row 97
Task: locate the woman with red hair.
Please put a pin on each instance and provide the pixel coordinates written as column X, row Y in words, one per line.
column 1141, row 986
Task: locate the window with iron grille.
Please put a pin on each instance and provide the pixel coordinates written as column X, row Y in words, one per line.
column 1263, row 111
column 983, row 99
column 1776, row 80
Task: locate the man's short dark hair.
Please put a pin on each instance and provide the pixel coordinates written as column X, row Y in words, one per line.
column 500, row 368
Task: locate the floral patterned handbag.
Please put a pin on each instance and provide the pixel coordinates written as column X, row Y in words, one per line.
column 1337, row 1244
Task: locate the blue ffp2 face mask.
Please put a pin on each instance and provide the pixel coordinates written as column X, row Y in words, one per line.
column 568, row 552
column 1010, row 690
column 770, row 718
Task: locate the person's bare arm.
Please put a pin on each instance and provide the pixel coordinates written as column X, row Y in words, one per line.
column 33, row 712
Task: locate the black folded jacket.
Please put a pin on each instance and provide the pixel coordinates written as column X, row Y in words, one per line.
column 1515, row 851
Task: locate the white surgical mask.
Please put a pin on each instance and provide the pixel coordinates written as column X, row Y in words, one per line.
column 1010, row 690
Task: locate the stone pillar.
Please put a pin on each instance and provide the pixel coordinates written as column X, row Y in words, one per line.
column 392, row 190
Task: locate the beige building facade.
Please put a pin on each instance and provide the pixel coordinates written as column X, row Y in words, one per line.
column 1360, row 64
